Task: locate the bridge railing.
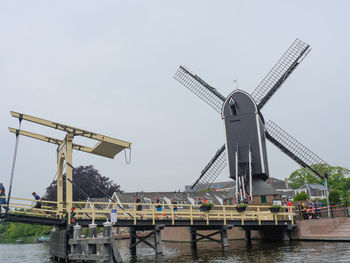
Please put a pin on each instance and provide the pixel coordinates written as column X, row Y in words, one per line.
column 27, row 207
column 128, row 211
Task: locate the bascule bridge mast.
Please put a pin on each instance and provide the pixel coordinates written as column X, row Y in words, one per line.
column 106, row 146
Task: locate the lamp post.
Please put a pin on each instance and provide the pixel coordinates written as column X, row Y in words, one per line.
column 327, row 194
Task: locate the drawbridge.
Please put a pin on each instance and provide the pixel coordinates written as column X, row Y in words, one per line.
column 68, row 216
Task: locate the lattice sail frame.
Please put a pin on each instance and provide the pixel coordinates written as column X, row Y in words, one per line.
column 200, row 88
column 280, row 72
column 292, row 147
column 211, row 170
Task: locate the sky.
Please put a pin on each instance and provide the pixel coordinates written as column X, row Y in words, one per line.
column 108, row 67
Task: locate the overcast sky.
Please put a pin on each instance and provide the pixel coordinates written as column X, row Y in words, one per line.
column 108, row 66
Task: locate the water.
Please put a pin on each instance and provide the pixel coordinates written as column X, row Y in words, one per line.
column 239, row 252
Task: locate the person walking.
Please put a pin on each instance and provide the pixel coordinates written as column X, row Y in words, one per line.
column 138, row 205
column 318, row 206
column 174, row 203
column 158, row 205
column 38, row 204
column 3, row 197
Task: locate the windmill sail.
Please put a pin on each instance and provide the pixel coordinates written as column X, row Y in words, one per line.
column 199, row 87
column 293, row 148
column 211, row 170
column 280, row 72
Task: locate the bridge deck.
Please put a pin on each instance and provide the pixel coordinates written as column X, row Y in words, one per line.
column 128, row 216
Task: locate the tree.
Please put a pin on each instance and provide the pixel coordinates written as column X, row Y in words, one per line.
column 301, row 197
column 338, row 178
column 85, row 177
column 334, row 196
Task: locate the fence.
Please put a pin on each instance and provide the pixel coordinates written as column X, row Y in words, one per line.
column 336, row 210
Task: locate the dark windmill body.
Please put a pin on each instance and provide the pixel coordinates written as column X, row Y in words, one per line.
column 245, row 141
column 246, row 131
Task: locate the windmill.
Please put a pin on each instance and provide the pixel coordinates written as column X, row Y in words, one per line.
column 246, row 130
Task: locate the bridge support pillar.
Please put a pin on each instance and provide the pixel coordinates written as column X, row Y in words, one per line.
column 158, row 239
column 285, row 235
column 77, row 249
column 193, row 236
column 224, row 237
column 248, row 237
column 92, row 234
column 155, row 232
column 58, row 244
column 132, row 246
column 196, row 237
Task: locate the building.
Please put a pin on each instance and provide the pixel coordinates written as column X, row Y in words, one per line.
column 314, row 191
column 216, row 186
column 263, row 193
column 281, row 186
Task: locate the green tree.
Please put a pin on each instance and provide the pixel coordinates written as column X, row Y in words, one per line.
column 334, row 196
column 338, row 177
column 301, row 197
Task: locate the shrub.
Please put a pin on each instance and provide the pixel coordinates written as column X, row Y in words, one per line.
column 301, row 197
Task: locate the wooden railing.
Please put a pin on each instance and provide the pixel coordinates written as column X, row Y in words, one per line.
column 128, row 211
column 189, row 212
column 26, row 207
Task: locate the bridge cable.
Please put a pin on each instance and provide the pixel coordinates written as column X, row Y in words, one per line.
column 14, row 162
column 126, row 159
column 87, row 196
column 104, row 193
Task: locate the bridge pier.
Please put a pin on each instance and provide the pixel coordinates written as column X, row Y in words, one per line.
column 155, row 232
column 285, row 235
column 92, row 234
column 248, row 236
column 59, row 244
column 196, row 237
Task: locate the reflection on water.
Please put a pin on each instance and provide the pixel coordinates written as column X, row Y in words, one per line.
column 258, row 251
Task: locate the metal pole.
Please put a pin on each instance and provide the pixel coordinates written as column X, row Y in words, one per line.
column 250, row 177
column 237, row 180
column 327, row 194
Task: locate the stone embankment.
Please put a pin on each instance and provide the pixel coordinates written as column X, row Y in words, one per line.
column 324, row 229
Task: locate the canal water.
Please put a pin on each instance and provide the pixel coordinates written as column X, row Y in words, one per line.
column 295, row 251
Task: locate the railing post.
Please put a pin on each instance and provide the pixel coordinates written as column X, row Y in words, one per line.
column 258, row 215
column 191, row 215
column 135, row 214
column 93, row 213
column 153, row 219
column 275, row 215
column 224, row 212
column 172, row 214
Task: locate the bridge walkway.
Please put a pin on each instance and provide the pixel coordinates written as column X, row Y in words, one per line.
column 87, row 212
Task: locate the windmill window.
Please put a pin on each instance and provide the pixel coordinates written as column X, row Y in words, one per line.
column 233, row 106
column 263, row 199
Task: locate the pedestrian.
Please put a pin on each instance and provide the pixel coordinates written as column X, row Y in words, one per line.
column 3, row 197
column 38, row 204
column 310, row 209
column 303, row 210
column 158, row 206
column 290, row 209
column 138, row 205
column 174, row 203
column 201, row 208
column 318, row 206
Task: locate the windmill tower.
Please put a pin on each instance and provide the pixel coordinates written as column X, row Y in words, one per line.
column 246, row 130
